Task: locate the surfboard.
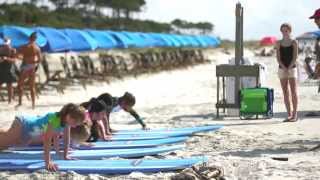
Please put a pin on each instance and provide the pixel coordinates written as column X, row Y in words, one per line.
column 105, row 166
column 116, row 144
column 171, row 131
column 93, row 154
column 162, row 133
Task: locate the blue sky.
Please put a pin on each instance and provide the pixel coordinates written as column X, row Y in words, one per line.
column 261, row 17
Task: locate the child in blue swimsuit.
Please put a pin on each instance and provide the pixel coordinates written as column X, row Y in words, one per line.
column 49, row 127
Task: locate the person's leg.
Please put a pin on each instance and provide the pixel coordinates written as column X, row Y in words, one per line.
column 10, row 92
column 308, row 67
column 1, row 88
column 32, row 86
column 107, row 125
column 284, row 86
column 294, row 97
column 12, row 136
column 23, row 76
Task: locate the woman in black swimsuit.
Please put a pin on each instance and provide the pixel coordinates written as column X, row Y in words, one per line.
column 287, row 72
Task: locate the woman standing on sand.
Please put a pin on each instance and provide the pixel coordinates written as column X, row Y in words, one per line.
column 287, row 72
column 31, row 54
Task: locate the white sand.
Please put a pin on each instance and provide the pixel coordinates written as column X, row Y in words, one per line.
column 187, row 98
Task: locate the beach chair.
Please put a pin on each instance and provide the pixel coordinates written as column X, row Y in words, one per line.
column 255, row 102
column 53, row 79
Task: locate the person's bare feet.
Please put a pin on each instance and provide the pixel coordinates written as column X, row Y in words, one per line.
column 291, row 119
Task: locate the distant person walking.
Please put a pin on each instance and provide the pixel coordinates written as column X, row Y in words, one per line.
column 31, row 58
column 287, row 51
column 8, row 73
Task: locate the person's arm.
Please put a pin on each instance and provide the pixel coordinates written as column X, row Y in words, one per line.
column 102, row 130
column 138, row 118
column 278, row 56
column 295, row 54
column 39, row 56
column 106, row 123
column 56, row 144
column 9, row 59
column 47, row 139
column 66, row 139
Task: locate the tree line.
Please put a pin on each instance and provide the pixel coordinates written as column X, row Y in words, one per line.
column 98, row 14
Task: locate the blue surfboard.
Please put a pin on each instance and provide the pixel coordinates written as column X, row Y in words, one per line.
column 130, row 137
column 162, row 133
column 93, row 154
column 117, row 144
column 171, row 131
column 105, row 166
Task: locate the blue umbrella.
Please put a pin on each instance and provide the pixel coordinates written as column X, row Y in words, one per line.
column 20, row 35
column 201, row 41
column 152, row 41
column 181, row 40
column 137, row 39
column 57, row 40
column 122, row 39
column 105, row 40
column 193, row 42
column 162, row 41
column 80, row 40
column 212, row 41
column 173, row 42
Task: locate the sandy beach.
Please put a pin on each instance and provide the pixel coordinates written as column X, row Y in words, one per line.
column 187, row 97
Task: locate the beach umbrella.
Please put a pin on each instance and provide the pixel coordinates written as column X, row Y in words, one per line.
column 122, row 40
column 173, row 41
column 268, row 41
column 104, row 40
column 181, row 40
column 80, row 40
column 163, row 42
column 136, row 39
column 20, row 35
column 306, row 36
column 57, row 41
column 212, row 41
column 152, row 41
column 192, row 40
column 201, row 41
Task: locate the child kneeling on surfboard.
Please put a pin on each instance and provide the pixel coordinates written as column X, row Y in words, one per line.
column 97, row 124
column 114, row 104
column 28, row 129
column 95, row 114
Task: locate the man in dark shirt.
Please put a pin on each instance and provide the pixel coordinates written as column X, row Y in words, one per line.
column 316, row 72
column 316, row 17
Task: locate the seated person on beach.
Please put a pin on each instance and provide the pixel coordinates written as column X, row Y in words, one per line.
column 26, row 130
column 8, row 73
column 115, row 104
column 95, row 114
column 31, row 57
